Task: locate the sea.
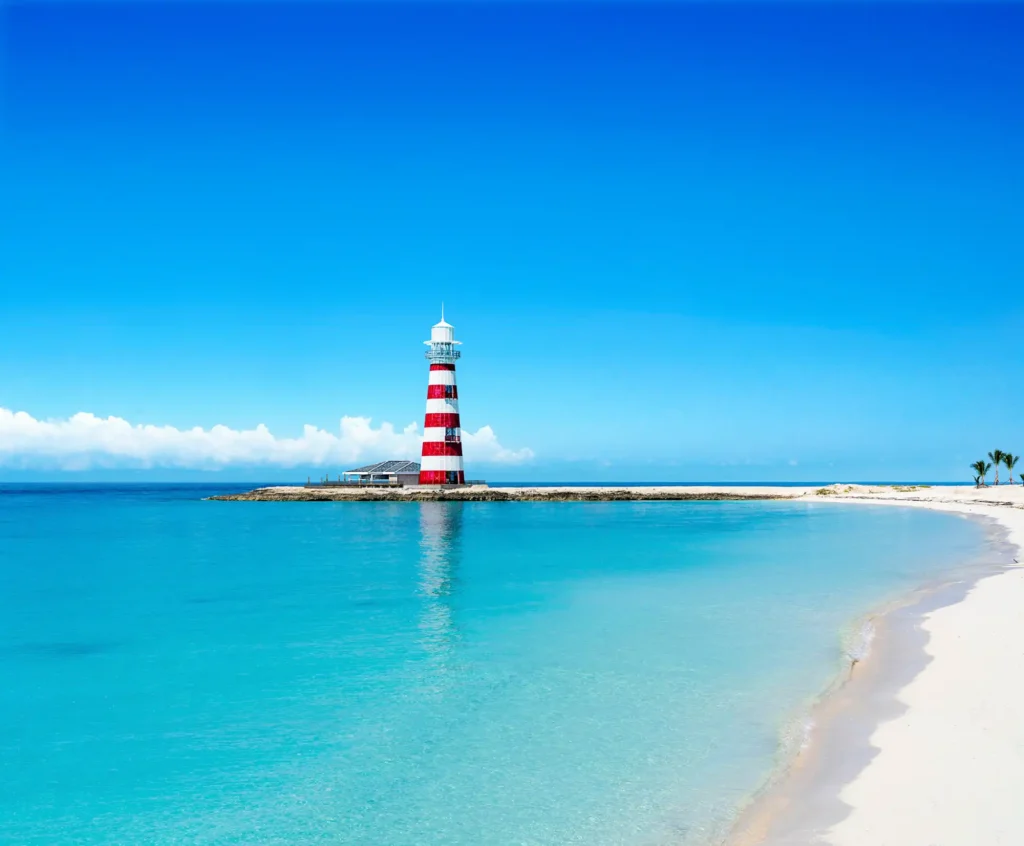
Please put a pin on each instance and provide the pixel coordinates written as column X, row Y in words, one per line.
column 175, row 670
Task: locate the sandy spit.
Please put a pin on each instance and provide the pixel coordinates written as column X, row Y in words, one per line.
column 483, row 493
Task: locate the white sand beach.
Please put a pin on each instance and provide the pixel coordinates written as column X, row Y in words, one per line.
column 920, row 750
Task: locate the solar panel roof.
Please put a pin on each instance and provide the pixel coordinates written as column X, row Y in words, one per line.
column 388, row 467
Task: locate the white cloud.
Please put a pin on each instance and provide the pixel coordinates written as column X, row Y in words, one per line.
column 483, row 446
column 86, row 441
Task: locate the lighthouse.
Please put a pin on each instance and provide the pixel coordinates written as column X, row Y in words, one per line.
column 442, row 433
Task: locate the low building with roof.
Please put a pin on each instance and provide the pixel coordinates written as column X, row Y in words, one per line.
column 384, row 473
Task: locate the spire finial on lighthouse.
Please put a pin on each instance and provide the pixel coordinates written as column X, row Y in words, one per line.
column 442, row 311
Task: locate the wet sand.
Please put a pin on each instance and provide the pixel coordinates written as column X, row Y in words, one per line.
column 922, row 744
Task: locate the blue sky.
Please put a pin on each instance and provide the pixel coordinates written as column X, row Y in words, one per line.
column 680, row 241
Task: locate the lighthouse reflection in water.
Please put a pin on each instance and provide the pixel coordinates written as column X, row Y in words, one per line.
column 440, row 554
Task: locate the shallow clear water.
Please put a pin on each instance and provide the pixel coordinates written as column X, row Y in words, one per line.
column 178, row 671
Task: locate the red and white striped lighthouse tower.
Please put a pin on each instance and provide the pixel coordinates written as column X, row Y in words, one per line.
column 442, row 432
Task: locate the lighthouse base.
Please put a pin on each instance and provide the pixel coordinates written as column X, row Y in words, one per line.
column 442, row 477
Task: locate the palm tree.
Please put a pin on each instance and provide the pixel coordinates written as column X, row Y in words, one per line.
column 977, row 481
column 1010, row 460
column 981, row 468
column 996, row 457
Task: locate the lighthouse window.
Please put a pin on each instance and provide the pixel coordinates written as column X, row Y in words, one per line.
column 451, row 434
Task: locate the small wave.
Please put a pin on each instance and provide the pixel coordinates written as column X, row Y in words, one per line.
column 795, row 737
column 856, row 644
column 796, row 734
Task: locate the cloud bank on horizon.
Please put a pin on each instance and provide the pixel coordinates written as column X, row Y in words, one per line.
column 85, row 442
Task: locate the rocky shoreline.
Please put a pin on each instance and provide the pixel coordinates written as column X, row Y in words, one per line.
column 485, row 494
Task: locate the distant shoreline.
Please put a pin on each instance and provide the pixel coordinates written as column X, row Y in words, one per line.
column 482, row 493
column 571, row 493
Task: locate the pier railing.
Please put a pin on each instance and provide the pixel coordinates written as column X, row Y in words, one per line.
column 346, row 483
column 387, row 483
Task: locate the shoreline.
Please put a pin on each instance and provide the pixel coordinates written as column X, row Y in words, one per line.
column 483, row 493
column 881, row 762
column 918, row 742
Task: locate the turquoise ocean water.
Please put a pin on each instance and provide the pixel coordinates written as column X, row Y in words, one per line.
column 177, row 671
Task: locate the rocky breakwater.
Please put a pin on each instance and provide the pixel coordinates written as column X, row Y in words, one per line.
column 485, row 494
